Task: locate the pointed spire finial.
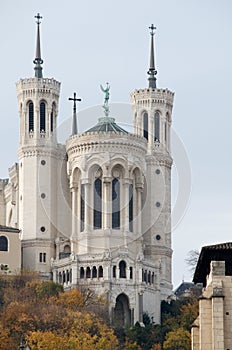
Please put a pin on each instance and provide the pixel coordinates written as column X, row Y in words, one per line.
column 74, row 121
column 152, row 71
column 38, row 60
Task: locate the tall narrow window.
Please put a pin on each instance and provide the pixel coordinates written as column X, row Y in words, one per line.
column 131, row 208
column 165, row 131
column 145, row 125
column 42, row 117
column 3, row 244
column 82, row 272
column 31, row 116
column 82, row 207
column 115, row 204
column 97, row 213
column 157, row 126
column 51, row 121
column 122, row 269
column 94, row 272
column 100, row 271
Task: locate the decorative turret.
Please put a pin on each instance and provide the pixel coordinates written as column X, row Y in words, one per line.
column 40, row 157
column 152, row 108
column 38, row 60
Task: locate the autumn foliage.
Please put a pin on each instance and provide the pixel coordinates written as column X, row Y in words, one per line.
column 50, row 318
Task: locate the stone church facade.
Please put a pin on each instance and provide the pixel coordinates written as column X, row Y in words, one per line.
column 95, row 213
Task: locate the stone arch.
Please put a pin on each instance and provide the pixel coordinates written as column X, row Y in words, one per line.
column 122, row 312
column 67, row 249
column 168, row 117
column 75, row 177
column 119, row 165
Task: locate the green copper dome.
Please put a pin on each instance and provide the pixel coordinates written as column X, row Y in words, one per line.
column 107, row 124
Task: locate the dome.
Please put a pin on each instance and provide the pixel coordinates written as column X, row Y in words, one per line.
column 107, row 124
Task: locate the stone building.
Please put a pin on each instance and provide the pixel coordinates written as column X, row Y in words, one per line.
column 10, row 250
column 95, row 213
column 212, row 330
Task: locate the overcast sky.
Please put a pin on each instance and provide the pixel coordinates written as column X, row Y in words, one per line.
column 86, row 43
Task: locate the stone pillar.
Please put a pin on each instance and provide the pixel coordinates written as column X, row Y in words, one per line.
column 141, row 307
column 88, row 205
column 139, row 208
column 125, row 205
column 74, row 211
column 106, row 210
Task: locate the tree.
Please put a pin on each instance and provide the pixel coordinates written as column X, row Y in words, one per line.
column 192, row 259
column 178, row 340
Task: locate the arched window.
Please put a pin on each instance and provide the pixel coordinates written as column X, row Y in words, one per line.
column 122, row 269
column 64, row 277
column 70, row 275
column 3, row 244
column 157, row 126
column 131, row 272
column 114, row 271
column 82, row 209
column 51, row 121
column 131, row 208
column 88, row 272
column 82, row 272
column 145, row 125
column 100, row 271
column 31, row 116
column 42, row 117
column 94, row 272
column 115, row 204
column 97, row 213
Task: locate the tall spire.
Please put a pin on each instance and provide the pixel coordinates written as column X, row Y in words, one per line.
column 38, row 60
column 74, row 120
column 152, row 71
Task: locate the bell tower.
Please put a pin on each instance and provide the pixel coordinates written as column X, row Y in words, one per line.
column 39, row 158
column 152, row 109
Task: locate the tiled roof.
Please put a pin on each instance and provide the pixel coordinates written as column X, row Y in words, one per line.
column 216, row 252
column 107, row 124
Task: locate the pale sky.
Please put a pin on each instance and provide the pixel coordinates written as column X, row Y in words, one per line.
column 86, row 43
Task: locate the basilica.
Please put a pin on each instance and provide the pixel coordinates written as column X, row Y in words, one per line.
column 94, row 213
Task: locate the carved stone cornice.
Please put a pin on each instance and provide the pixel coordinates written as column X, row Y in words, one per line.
column 42, row 151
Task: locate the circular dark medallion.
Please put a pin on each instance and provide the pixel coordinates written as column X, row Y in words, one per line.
column 42, row 229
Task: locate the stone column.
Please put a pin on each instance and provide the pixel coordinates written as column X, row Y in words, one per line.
column 74, row 211
column 139, row 208
column 106, row 207
column 88, row 205
column 125, row 205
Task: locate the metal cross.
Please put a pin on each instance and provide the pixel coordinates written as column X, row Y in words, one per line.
column 38, row 17
column 74, row 99
column 152, row 29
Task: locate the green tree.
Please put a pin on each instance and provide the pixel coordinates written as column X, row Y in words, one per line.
column 178, row 340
